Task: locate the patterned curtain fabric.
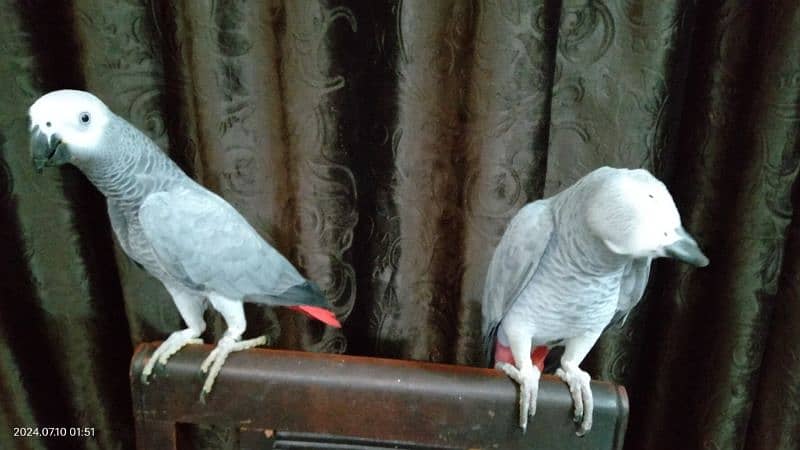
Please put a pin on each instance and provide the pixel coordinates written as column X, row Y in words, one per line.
column 383, row 147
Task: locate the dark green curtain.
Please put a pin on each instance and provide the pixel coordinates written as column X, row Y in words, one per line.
column 383, row 146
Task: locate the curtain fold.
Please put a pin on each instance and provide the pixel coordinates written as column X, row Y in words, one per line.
column 383, row 147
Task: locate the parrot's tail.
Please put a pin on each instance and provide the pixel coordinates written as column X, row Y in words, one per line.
column 489, row 338
column 321, row 314
column 305, row 297
column 538, row 355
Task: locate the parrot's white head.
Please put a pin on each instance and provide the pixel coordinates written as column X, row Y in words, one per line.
column 633, row 213
column 66, row 126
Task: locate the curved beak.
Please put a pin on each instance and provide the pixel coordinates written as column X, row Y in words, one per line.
column 686, row 250
column 47, row 151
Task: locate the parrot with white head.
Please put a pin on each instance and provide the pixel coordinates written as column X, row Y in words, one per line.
column 566, row 266
column 190, row 239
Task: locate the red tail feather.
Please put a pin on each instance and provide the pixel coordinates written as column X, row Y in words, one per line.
column 503, row 354
column 321, row 314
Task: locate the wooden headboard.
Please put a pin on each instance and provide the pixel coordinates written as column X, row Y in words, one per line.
column 294, row 400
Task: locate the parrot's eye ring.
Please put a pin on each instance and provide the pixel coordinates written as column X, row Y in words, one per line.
column 85, row 118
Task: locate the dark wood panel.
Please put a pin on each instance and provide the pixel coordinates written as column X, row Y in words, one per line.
column 291, row 400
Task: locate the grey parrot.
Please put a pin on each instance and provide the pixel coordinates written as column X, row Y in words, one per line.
column 190, row 239
column 566, row 266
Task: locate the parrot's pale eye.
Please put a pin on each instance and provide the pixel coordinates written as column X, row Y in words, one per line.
column 650, row 195
column 85, row 118
column 665, row 234
column 48, row 124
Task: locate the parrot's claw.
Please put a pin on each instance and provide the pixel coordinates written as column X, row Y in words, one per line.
column 174, row 342
column 581, row 391
column 528, row 381
column 213, row 363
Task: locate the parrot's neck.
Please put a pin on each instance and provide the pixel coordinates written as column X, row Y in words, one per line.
column 129, row 167
column 587, row 253
column 577, row 245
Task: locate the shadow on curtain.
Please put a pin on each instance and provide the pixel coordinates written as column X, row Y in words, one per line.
column 383, row 147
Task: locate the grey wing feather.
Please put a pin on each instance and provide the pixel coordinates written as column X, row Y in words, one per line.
column 632, row 286
column 306, row 293
column 513, row 264
column 120, row 227
column 201, row 240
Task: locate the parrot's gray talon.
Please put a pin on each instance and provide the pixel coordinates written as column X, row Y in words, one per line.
column 511, row 371
column 581, row 392
column 528, row 390
column 174, row 342
column 162, row 360
column 214, row 361
column 203, row 397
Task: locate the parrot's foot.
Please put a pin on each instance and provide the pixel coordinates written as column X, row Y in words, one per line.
column 528, row 380
column 213, row 363
column 174, row 342
column 581, row 391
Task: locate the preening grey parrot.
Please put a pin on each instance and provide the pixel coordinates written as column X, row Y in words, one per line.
column 566, row 266
column 190, row 239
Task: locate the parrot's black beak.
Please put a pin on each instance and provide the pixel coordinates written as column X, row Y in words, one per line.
column 46, row 151
column 686, row 250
